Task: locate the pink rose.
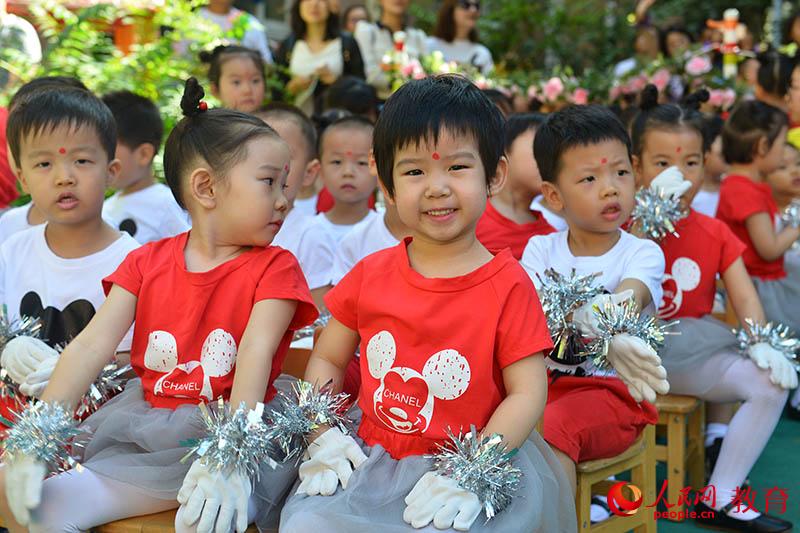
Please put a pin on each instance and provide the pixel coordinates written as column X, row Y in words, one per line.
column 407, row 70
column 482, row 84
column 698, row 65
column 637, row 84
column 552, row 89
column 660, row 79
column 728, row 98
column 716, row 97
column 615, row 92
column 580, row 96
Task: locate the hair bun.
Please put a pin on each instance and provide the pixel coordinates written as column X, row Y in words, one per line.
column 192, row 95
column 207, row 56
column 696, row 99
column 648, row 99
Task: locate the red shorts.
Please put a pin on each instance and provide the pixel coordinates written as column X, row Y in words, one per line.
column 593, row 417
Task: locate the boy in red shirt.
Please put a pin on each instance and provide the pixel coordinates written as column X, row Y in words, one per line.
column 508, row 221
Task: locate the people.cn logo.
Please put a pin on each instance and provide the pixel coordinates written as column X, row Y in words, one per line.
column 621, row 506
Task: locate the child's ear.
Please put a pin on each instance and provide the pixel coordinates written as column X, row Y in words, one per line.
column 311, row 173
column 762, row 147
column 552, row 196
column 215, row 90
column 114, row 168
column 22, row 183
column 636, row 163
column 386, row 196
column 203, row 188
column 498, row 181
column 145, row 153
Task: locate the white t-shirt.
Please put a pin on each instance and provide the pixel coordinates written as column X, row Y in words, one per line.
column 306, row 206
column 255, row 36
column 366, row 238
column 558, row 222
column 64, row 293
column 288, row 236
column 13, row 221
column 147, row 215
column 464, row 51
column 706, row 202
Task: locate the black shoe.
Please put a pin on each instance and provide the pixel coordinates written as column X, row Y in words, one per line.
column 712, row 454
column 792, row 412
column 720, row 520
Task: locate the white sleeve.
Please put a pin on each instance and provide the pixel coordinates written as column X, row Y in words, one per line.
column 256, row 38
column 174, row 222
column 533, row 261
column 3, row 281
column 647, row 265
column 315, row 255
column 366, row 37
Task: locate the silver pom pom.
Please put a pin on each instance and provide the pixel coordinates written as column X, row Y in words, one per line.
column 560, row 296
column 23, row 327
column 109, row 383
column 778, row 336
column 304, row 411
column 235, row 441
column 45, row 431
column 656, row 214
column 308, row 331
column 614, row 319
column 481, row 465
column 791, row 215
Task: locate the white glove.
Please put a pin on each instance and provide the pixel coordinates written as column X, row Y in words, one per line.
column 671, row 182
column 439, row 499
column 22, row 356
column 328, row 463
column 638, row 366
column 214, row 497
column 781, row 371
column 24, row 477
column 37, row 381
column 586, row 319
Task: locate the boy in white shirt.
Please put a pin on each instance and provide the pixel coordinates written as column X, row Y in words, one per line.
column 583, row 154
column 142, row 207
column 63, row 143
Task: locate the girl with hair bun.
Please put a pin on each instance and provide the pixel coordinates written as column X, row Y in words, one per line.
column 237, row 77
column 215, row 311
column 668, row 153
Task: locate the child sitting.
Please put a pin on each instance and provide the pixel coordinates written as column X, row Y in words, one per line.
column 237, row 77
column 215, row 310
column 784, row 181
column 752, row 143
column 508, row 221
column 62, row 141
column 583, row 154
column 450, row 336
column 714, row 167
column 141, row 207
column 703, row 360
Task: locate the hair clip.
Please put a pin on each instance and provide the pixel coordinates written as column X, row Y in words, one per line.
column 202, row 106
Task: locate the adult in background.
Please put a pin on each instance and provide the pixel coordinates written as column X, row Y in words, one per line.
column 353, row 15
column 317, row 54
column 456, row 35
column 377, row 39
column 16, row 33
column 223, row 14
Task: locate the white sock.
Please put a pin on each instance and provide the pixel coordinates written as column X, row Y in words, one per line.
column 714, row 431
column 795, row 401
column 725, row 496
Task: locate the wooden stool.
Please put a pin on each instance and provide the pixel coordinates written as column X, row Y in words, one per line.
column 593, row 479
column 681, row 419
column 152, row 523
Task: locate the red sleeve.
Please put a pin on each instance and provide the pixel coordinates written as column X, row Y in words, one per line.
column 522, row 328
column 8, row 181
column 282, row 279
column 129, row 273
column 732, row 247
column 737, row 203
column 342, row 299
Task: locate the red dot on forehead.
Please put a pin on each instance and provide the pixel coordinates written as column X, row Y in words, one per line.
column 435, row 156
column 286, row 168
column 348, row 153
column 603, row 161
column 62, row 150
column 678, row 150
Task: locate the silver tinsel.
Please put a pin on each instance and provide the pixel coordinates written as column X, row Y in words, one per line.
column 23, row 327
column 614, row 319
column 235, row 441
column 656, row 214
column 791, row 215
column 481, row 465
column 109, row 383
column 308, row 331
column 778, row 336
column 302, row 411
column 45, row 431
column 560, row 296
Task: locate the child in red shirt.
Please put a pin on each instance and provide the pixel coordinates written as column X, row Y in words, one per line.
column 215, row 310
column 752, row 143
column 704, row 360
column 508, row 221
column 450, row 335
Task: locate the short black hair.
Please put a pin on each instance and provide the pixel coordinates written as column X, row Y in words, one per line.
column 138, row 119
column 669, row 116
column 748, row 123
column 353, row 94
column 284, row 111
column 350, row 121
column 419, row 111
column 775, row 72
column 221, row 54
column 42, row 83
column 298, row 25
column 712, row 128
column 48, row 109
column 520, row 123
column 571, row 127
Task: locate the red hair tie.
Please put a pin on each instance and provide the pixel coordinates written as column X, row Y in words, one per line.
column 202, row 106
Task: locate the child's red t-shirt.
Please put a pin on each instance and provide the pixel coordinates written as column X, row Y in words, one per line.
column 433, row 349
column 496, row 232
column 190, row 324
column 704, row 248
column 739, row 199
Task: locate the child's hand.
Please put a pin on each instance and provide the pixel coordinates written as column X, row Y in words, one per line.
column 24, row 477
column 671, row 182
column 585, row 318
column 208, row 497
column 22, row 356
column 37, row 381
column 781, row 371
column 638, row 366
column 330, row 456
column 439, row 499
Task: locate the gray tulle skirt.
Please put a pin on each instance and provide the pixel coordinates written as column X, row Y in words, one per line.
column 781, row 297
column 140, row 445
column 374, row 498
column 694, row 341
